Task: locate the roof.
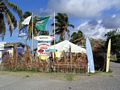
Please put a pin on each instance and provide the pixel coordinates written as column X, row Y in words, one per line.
column 10, row 45
column 66, row 45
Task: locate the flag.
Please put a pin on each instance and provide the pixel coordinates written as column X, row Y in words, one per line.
column 108, row 56
column 23, row 32
column 90, row 58
column 41, row 23
column 27, row 21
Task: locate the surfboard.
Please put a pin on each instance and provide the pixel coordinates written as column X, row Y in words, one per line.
column 108, row 56
column 91, row 68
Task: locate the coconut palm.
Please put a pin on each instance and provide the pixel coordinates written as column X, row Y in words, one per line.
column 25, row 15
column 115, row 45
column 6, row 14
column 62, row 25
column 77, row 38
column 35, row 31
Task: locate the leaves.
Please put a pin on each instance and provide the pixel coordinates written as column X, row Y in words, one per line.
column 62, row 25
column 5, row 10
column 15, row 8
column 77, row 38
column 2, row 25
column 115, row 41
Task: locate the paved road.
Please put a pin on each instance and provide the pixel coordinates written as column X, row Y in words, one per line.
column 95, row 82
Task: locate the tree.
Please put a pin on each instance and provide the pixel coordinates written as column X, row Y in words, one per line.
column 115, row 42
column 35, row 31
column 62, row 25
column 6, row 14
column 78, row 38
column 25, row 15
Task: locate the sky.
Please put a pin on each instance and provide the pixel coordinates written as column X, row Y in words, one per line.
column 93, row 17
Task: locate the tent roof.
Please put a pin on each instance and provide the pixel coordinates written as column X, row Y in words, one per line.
column 66, row 45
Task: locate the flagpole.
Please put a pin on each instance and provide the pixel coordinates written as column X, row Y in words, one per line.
column 32, row 34
column 54, row 27
column 54, row 36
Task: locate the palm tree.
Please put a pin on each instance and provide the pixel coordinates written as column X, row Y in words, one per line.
column 115, row 45
column 6, row 14
column 25, row 15
column 78, row 38
column 62, row 25
column 35, row 31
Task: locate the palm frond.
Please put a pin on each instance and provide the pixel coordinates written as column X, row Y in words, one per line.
column 15, row 8
column 10, row 24
column 2, row 25
column 71, row 25
column 13, row 19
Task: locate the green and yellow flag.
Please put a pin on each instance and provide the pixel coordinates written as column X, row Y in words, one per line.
column 41, row 23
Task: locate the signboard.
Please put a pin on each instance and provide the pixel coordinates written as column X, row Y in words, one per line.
column 51, row 50
column 44, row 38
column 2, row 45
column 42, row 47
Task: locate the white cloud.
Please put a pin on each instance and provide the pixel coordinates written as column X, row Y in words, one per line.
column 43, row 12
column 83, row 8
column 113, row 16
column 98, row 28
column 96, row 31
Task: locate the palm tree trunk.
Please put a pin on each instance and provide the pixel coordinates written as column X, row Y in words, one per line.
column 62, row 36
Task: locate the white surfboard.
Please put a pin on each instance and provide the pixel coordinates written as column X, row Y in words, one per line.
column 89, row 53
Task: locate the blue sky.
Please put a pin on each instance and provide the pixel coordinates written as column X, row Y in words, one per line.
column 82, row 13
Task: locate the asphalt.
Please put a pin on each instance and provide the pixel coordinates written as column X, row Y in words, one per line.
column 110, row 81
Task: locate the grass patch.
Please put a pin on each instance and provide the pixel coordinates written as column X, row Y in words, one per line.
column 69, row 77
column 101, row 73
column 54, row 76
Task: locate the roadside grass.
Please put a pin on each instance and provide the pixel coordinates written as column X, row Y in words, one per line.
column 101, row 73
column 54, row 75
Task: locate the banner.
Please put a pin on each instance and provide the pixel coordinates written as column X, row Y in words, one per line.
column 91, row 68
column 41, row 23
column 23, row 32
column 42, row 47
column 108, row 56
column 27, row 20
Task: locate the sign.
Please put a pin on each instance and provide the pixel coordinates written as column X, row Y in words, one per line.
column 51, row 50
column 42, row 47
column 44, row 38
column 2, row 45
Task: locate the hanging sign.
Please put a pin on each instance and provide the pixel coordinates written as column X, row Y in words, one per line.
column 42, row 47
column 44, row 38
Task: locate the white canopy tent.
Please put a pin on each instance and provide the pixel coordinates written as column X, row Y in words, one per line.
column 66, row 45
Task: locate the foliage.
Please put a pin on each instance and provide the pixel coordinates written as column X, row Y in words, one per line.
column 99, row 54
column 78, row 38
column 6, row 14
column 115, row 42
column 35, row 31
column 62, row 24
